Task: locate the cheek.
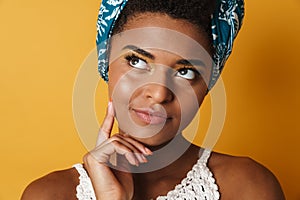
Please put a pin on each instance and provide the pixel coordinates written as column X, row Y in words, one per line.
column 200, row 91
column 187, row 115
column 120, row 88
column 190, row 101
column 116, row 71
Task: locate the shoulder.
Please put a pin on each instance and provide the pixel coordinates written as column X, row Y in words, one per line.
column 244, row 178
column 56, row 185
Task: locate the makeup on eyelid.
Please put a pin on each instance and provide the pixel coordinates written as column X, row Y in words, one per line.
column 180, row 66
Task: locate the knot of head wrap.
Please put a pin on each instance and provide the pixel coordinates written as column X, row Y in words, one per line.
column 226, row 23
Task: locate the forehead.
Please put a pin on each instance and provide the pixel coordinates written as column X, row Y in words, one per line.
column 160, row 20
column 161, row 39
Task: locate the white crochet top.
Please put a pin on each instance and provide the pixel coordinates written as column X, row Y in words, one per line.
column 199, row 184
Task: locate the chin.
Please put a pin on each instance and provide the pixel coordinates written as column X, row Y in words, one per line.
column 155, row 142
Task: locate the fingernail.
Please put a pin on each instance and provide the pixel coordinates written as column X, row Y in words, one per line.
column 137, row 163
column 140, row 157
column 144, row 158
column 110, row 108
column 148, row 151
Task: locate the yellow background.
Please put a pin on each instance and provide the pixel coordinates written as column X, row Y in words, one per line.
column 42, row 45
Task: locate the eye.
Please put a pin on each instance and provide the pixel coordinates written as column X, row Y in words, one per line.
column 187, row 73
column 136, row 62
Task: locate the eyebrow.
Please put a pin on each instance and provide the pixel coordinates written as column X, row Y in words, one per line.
column 192, row 62
column 140, row 51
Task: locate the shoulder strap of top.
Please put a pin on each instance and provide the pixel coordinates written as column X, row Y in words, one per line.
column 204, row 155
column 84, row 189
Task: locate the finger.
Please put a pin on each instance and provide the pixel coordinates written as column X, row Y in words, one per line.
column 137, row 144
column 138, row 155
column 103, row 154
column 106, row 127
column 122, row 149
column 131, row 144
column 141, row 158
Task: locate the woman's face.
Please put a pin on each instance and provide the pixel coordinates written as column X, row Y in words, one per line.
column 158, row 76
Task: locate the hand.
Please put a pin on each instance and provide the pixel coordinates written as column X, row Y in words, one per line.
column 108, row 183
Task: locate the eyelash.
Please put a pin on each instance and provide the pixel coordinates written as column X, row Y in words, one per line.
column 190, row 68
column 132, row 56
column 196, row 74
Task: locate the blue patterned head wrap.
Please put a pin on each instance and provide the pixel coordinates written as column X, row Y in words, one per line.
column 226, row 23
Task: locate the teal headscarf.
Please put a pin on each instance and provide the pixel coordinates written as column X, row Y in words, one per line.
column 226, row 23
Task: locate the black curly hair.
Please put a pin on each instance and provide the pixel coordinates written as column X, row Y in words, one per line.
column 197, row 12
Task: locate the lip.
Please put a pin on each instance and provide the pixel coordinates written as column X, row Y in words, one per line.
column 150, row 116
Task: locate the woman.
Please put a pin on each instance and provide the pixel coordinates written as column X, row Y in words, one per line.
column 158, row 53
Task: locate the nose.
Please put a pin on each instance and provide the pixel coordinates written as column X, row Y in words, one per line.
column 158, row 93
column 159, row 86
